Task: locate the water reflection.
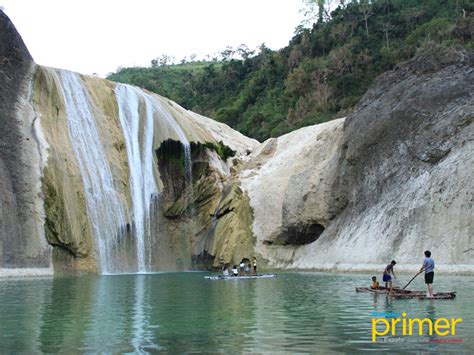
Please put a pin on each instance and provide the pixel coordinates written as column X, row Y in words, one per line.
column 67, row 297
column 182, row 312
column 21, row 308
column 142, row 339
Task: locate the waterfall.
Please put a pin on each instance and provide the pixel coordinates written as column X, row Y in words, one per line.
column 143, row 187
column 107, row 214
column 104, row 208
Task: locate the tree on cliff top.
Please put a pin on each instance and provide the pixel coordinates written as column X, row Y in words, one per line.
column 320, row 75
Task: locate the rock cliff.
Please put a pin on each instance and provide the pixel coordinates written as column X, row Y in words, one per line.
column 391, row 181
column 100, row 177
column 22, row 240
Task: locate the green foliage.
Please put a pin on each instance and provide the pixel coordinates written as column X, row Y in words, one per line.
column 221, row 149
column 438, row 29
column 320, row 75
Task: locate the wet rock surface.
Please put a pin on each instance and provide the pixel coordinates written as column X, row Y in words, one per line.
column 22, row 241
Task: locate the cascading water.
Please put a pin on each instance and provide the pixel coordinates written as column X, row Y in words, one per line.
column 107, row 213
column 104, row 207
column 142, row 180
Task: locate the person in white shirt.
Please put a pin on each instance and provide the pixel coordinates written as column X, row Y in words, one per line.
column 225, row 272
column 247, row 269
column 242, row 268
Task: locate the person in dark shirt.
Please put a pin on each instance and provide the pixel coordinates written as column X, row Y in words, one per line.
column 387, row 278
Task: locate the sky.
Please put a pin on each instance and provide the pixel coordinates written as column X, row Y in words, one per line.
column 99, row 36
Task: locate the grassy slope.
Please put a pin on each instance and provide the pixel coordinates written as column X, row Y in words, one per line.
column 319, row 76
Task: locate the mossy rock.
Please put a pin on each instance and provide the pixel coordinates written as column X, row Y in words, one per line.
column 233, row 238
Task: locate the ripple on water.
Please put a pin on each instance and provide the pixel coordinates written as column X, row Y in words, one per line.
column 182, row 312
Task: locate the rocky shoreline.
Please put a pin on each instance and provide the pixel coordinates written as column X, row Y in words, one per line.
column 26, row 272
column 461, row 269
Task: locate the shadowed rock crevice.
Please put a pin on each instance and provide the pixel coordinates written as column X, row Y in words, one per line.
column 179, row 195
column 298, row 234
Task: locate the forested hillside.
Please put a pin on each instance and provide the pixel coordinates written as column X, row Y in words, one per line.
column 320, row 75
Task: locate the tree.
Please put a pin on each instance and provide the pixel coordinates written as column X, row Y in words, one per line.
column 295, row 57
column 163, row 60
column 310, row 13
column 227, row 53
column 316, row 11
column 320, row 10
column 320, row 75
column 366, row 9
column 244, row 51
column 386, row 28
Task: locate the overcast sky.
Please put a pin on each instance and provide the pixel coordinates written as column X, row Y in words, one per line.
column 98, row 36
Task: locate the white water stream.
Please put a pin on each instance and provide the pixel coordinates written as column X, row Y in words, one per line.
column 137, row 112
column 131, row 102
column 104, row 207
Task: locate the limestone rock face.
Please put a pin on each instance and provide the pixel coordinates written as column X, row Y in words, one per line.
column 290, row 182
column 184, row 185
column 114, row 178
column 22, row 156
column 406, row 168
column 179, row 191
column 209, row 223
column 391, row 181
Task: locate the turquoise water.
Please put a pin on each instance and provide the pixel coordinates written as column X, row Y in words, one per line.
column 183, row 312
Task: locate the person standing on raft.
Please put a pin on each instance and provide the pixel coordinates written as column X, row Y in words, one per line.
column 387, row 278
column 225, row 272
column 242, row 268
column 428, row 267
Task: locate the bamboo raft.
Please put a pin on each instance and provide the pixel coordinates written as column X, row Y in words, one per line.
column 401, row 293
column 243, row 277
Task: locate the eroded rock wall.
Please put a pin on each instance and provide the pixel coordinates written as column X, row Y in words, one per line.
column 391, row 180
column 22, row 156
column 207, row 223
column 396, row 178
column 290, row 182
column 142, row 149
column 407, row 169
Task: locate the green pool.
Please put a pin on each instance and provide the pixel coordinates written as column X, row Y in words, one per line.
column 183, row 312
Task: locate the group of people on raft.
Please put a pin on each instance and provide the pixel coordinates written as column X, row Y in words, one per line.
column 243, row 269
column 427, row 266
